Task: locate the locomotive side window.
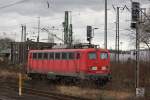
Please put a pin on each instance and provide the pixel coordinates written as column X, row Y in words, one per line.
column 71, row 55
column 45, row 55
column 92, row 55
column 39, row 55
column 64, row 56
column 78, row 56
column 104, row 55
column 34, row 55
column 57, row 56
column 51, row 55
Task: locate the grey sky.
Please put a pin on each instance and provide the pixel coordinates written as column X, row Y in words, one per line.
column 84, row 12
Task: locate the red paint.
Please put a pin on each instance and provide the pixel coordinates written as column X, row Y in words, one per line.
column 75, row 66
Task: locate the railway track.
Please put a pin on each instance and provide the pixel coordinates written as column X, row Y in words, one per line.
column 42, row 93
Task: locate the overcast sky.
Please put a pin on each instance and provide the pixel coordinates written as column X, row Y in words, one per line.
column 84, row 12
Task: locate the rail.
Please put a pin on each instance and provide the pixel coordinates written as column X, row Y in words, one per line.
column 42, row 93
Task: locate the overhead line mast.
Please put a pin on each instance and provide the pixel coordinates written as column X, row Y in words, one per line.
column 38, row 37
column 105, row 36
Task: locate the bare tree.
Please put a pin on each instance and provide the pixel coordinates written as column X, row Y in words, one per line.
column 5, row 43
column 144, row 33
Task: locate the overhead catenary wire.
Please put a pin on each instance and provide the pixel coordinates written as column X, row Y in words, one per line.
column 19, row 2
column 12, row 4
column 22, row 1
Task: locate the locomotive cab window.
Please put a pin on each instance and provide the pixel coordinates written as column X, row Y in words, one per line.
column 104, row 55
column 92, row 55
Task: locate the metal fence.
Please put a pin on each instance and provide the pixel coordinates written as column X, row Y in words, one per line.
column 131, row 56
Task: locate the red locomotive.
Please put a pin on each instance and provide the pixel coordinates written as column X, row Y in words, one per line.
column 90, row 63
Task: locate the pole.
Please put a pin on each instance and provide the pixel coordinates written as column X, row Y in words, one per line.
column 137, row 55
column 70, row 35
column 22, row 33
column 71, row 30
column 38, row 37
column 20, row 84
column 105, row 36
column 118, row 31
column 24, row 46
column 117, row 37
column 66, row 24
column 116, row 40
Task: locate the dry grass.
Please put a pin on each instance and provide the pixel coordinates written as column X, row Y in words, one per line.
column 9, row 71
column 5, row 74
column 122, row 86
column 94, row 94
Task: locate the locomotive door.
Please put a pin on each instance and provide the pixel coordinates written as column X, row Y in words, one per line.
column 77, row 62
column 72, row 63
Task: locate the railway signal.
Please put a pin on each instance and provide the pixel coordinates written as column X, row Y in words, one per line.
column 135, row 11
column 135, row 14
column 89, row 34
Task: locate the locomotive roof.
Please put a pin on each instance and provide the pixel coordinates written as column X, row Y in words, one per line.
column 67, row 50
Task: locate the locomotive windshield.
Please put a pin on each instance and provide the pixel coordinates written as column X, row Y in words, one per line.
column 104, row 55
column 92, row 55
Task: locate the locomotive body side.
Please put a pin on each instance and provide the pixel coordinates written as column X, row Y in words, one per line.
column 69, row 62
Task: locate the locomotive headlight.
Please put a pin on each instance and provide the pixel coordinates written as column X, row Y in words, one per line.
column 104, row 68
column 94, row 68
